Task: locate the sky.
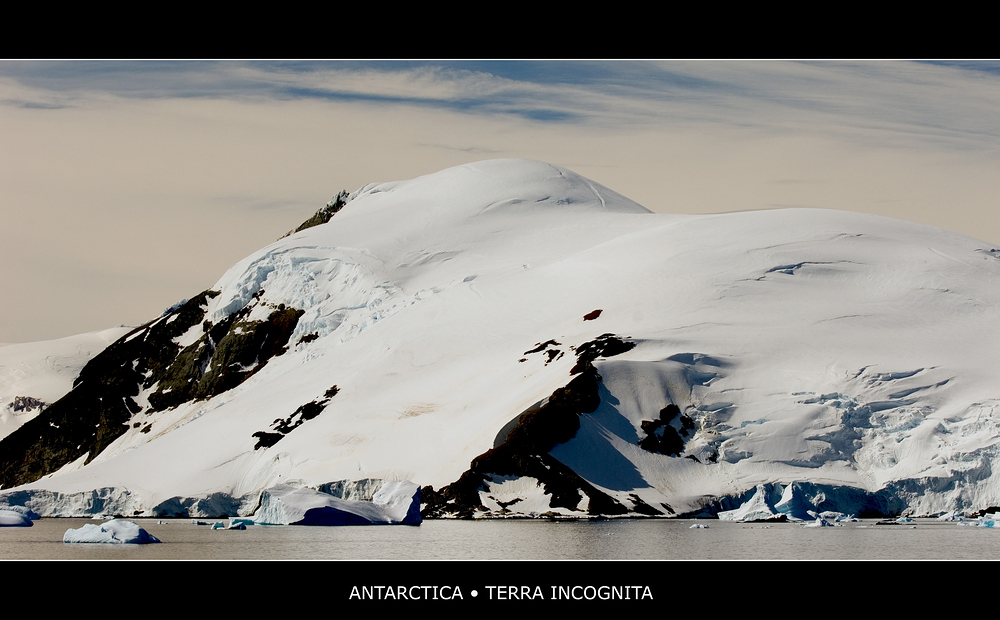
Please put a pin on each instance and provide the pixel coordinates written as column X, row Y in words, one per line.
column 127, row 186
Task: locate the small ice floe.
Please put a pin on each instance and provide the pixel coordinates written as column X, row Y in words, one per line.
column 952, row 516
column 234, row 524
column 819, row 522
column 848, row 519
column 902, row 520
column 698, row 526
column 116, row 531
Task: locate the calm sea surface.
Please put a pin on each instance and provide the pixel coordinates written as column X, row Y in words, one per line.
column 631, row 539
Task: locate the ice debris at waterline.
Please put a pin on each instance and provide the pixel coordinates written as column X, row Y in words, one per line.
column 116, row 531
column 233, row 525
column 395, row 503
column 819, row 522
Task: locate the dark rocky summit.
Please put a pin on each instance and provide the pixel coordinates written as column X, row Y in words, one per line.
column 323, row 215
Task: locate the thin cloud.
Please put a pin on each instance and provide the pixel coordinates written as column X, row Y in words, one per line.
column 933, row 105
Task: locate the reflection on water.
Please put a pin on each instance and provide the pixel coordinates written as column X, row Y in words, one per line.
column 625, row 539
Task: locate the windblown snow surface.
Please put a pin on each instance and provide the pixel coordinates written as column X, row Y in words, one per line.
column 850, row 356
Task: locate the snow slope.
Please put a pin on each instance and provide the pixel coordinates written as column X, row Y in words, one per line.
column 851, row 354
column 43, row 372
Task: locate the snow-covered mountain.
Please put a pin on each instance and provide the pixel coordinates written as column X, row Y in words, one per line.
column 519, row 340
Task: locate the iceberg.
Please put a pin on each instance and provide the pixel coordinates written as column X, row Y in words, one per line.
column 755, row 509
column 10, row 517
column 115, row 531
column 234, row 524
column 989, row 520
column 395, row 503
column 27, row 512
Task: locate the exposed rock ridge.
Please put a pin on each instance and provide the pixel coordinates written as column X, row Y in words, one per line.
column 524, row 452
column 323, row 215
column 104, row 401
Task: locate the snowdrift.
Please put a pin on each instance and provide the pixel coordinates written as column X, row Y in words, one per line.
column 518, row 340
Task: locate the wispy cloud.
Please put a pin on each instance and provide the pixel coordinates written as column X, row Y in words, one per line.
column 945, row 103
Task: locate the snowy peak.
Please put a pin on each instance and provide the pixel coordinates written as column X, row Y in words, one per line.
column 496, row 186
column 392, row 244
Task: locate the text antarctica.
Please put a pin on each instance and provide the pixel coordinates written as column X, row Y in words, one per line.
column 433, row 593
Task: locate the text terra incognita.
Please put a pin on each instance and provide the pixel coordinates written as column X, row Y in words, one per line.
column 502, row 593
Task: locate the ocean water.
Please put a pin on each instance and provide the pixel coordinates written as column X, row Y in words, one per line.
column 445, row 540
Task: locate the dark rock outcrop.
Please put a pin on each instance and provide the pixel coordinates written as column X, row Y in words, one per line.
column 102, row 404
column 323, row 215
column 524, row 452
column 282, row 427
column 662, row 435
column 22, row 404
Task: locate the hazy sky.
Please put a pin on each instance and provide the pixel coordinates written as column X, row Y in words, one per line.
column 128, row 186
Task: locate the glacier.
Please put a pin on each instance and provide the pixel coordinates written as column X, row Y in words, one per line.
column 520, row 341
